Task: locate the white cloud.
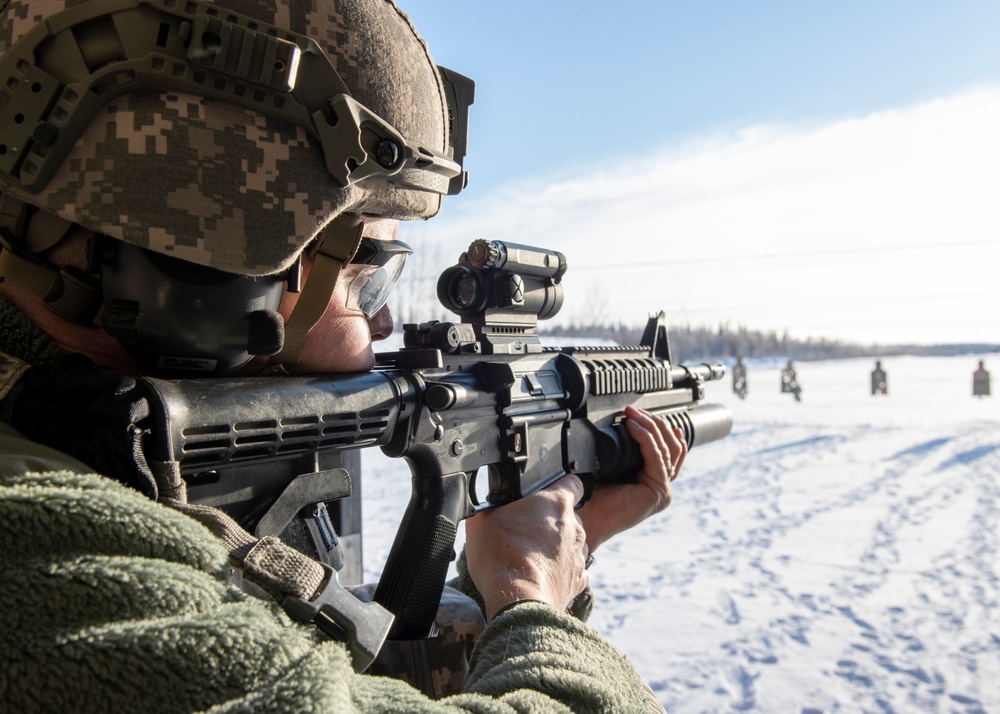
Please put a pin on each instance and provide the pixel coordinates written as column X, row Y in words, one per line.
column 927, row 175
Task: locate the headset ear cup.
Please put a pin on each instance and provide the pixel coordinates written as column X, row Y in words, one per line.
column 266, row 333
column 182, row 319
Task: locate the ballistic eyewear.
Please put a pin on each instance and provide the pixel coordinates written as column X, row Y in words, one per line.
column 374, row 272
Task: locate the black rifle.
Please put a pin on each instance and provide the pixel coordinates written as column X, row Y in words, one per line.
column 458, row 397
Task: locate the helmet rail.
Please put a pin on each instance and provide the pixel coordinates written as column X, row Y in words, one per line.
column 57, row 77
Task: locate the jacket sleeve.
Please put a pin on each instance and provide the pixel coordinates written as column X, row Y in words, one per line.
column 109, row 601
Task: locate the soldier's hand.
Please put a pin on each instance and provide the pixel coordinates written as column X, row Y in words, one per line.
column 531, row 549
column 615, row 508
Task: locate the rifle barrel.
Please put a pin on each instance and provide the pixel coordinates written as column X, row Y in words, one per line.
column 703, row 372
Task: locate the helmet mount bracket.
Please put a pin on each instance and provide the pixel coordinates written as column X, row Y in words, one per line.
column 55, row 79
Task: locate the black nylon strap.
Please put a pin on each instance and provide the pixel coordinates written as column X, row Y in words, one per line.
column 90, row 412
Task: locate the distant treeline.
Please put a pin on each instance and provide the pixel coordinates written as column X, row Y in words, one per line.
column 725, row 342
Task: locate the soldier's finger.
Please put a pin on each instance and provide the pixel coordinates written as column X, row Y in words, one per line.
column 651, row 445
column 677, row 458
column 657, row 426
column 571, row 485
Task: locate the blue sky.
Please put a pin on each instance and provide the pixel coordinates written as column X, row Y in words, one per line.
column 578, row 97
column 563, row 84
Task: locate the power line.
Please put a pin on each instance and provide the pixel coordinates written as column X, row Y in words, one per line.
column 840, row 302
column 774, row 256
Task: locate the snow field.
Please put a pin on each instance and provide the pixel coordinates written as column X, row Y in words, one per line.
column 834, row 555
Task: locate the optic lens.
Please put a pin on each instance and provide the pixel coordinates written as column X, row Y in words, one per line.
column 463, row 290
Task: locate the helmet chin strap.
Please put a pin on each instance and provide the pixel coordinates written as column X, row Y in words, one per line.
column 336, row 247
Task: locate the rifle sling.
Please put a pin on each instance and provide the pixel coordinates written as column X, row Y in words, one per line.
column 103, row 419
column 309, row 591
column 276, row 568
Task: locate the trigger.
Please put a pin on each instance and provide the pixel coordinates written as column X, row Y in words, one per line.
column 588, row 488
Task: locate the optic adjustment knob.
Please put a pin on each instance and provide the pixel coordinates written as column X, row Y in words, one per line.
column 484, row 254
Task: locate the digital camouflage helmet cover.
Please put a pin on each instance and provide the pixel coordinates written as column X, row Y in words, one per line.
column 204, row 154
column 227, row 134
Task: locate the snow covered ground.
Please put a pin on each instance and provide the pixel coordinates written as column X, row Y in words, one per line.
column 840, row 554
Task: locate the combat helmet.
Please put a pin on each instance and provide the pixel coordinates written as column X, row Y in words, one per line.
column 206, row 144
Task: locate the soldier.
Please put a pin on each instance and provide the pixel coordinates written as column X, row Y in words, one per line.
column 879, row 380
column 740, row 378
column 790, row 382
column 166, row 184
column 981, row 381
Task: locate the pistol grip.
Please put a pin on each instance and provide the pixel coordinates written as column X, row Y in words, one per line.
column 417, row 567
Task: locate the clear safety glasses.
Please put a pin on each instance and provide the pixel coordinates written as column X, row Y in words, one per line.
column 373, row 274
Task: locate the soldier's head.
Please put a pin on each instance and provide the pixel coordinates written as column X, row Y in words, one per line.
column 204, row 151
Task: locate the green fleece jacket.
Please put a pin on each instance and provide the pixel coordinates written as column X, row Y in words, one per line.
column 112, row 602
